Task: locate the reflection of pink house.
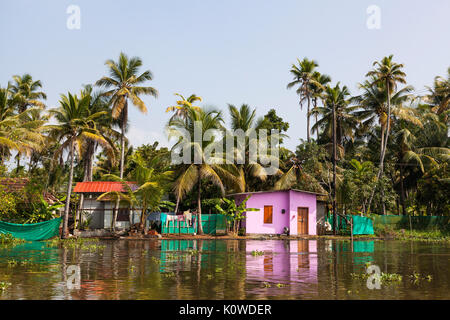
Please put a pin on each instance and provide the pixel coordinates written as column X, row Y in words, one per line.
column 283, row 261
column 292, row 209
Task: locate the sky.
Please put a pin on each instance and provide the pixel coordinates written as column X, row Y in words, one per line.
column 229, row 51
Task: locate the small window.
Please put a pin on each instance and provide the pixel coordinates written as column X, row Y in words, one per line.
column 123, row 214
column 268, row 214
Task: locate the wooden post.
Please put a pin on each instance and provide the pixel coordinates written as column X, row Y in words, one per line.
column 334, row 170
column 351, row 228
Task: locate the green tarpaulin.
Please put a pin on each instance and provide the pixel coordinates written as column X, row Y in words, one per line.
column 32, row 232
column 361, row 225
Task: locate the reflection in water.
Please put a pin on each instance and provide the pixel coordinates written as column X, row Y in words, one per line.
column 224, row 269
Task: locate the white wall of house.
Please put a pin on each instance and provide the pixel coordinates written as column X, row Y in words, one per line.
column 101, row 213
column 109, row 206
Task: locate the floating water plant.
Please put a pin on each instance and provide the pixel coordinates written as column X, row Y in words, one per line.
column 4, row 285
column 257, row 253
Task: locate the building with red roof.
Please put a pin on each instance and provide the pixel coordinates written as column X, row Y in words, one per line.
column 99, row 211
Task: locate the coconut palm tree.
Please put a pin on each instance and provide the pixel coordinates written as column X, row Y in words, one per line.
column 245, row 119
column 304, row 78
column 183, row 105
column 439, row 95
column 20, row 132
column 25, row 92
column 389, row 74
column 380, row 91
column 318, row 94
column 74, row 125
column 202, row 164
column 126, row 84
column 416, row 152
column 98, row 102
column 346, row 121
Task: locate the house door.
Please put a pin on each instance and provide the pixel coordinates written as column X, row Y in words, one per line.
column 302, row 220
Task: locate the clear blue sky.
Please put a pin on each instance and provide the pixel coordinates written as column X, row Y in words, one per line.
column 233, row 51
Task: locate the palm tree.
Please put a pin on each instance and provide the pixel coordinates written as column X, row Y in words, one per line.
column 25, row 92
column 20, row 132
column 304, row 77
column 245, row 119
column 387, row 73
column 318, row 94
column 126, row 84
column 295, row 174
column 191, row 174
column 183, row 105
column 152, row 186
column 424, row 147
column 439, row 95
column 75, row 124
column 97, row 103
column 346, row 121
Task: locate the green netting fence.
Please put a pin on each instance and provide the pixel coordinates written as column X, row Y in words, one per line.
column 361, row 225
column 33, row 231
column 212, row 224
column 426, row 223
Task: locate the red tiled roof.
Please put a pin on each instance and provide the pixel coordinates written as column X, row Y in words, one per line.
column 102, row 186
column 16, row 185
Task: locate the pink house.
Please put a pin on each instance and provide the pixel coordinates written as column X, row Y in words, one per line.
column 292, row 210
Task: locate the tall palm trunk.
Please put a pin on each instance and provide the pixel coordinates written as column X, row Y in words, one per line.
column 122, row 136
column 122, row 156
column 402, row 191
column 307, row 121
column 87, row 176
column 199, row 208
column 384, row 141
column 334, row 172
column 18, row 162
column 65, row 230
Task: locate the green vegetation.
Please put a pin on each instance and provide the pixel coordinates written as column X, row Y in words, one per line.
column 393, row 149
column 257, row 253
column 89, row 244
column 8, row 240
column 234, row 212
column 4, row 285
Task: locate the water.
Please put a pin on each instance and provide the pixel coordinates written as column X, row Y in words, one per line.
column 226, row 269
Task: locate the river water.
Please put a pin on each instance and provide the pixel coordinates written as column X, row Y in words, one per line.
column 224, row 269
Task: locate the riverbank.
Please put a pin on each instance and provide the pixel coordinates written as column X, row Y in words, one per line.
column 382, row 234
column 247, row 237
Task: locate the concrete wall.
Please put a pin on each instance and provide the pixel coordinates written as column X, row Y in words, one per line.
column 287, row 200
column 102, row 213
column 254, row 222
column 109, row 206
column 301, row 199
